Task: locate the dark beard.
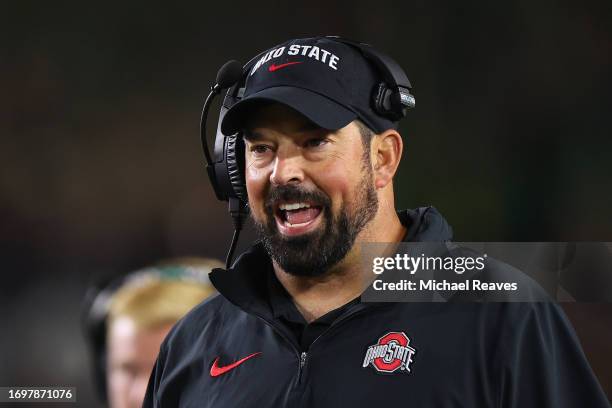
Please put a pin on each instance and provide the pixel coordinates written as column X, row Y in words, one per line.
column 315, row 253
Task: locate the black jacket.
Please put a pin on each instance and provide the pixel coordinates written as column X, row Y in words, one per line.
column 231, row 351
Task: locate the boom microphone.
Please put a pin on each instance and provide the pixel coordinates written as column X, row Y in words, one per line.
column 229, row 74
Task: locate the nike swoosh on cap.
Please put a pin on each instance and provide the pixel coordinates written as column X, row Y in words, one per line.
column 216, row 371
column 275, row 67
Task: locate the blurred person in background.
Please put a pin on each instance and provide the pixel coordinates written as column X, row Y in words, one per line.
column 126, row 321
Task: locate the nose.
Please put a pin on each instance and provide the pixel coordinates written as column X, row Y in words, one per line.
column 288, row 168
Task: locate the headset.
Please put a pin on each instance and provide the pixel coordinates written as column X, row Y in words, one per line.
column 391, row 99
column 97, row 301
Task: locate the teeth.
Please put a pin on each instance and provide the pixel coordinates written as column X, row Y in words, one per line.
column 294, row 206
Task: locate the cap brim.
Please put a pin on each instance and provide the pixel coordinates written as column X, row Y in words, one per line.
column 319, row 109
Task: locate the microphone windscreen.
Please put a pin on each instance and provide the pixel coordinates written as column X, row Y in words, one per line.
column 229, row 74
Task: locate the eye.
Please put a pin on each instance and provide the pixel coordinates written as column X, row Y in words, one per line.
column 316, row 142
column 259, row 149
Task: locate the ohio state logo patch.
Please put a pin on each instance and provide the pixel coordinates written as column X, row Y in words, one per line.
column 391, row 354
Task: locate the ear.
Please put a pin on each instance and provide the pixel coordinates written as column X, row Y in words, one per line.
column 386, row 154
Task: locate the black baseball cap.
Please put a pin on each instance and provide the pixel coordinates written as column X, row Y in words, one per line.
column 327, row 81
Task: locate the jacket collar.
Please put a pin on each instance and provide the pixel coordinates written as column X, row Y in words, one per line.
column 425, row 224
column 245, row 283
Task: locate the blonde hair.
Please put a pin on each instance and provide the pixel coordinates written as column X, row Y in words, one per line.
column 164, row 293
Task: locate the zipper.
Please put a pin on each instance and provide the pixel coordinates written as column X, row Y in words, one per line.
column 304, row 355
column 303, row 358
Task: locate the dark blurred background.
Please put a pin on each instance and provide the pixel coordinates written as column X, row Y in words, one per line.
column 101, row 169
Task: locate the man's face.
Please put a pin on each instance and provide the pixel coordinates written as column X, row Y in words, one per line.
column 311, row 190
column 131, row 357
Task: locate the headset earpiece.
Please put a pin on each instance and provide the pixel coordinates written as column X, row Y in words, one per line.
column 383, row 101
column 391, row 98
column 228, row 169
column 235, row 165
column 391, row 103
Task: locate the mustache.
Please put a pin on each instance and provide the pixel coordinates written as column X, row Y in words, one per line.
column 294, row 193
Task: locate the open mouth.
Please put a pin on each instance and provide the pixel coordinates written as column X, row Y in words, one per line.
column 296, row 218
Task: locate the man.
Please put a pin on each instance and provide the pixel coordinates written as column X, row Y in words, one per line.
column 128, row 320
column 289, row 330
